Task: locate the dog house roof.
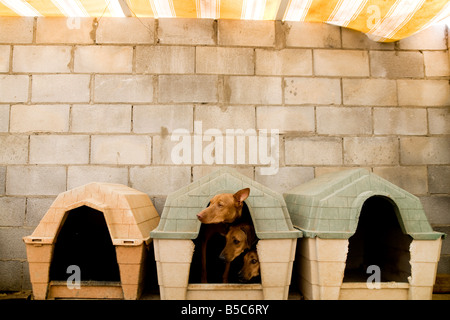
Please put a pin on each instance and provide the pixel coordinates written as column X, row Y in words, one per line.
column 129, row 213
column 329, row 206
column 267, row 208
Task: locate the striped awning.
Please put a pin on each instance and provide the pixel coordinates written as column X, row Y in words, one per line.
column 381, row 20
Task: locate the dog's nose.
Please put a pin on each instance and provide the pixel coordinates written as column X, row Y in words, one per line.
column 222, row 257
column 199, row 216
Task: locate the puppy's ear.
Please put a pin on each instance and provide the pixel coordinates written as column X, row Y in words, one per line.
column 250, row 235
column 241, row 195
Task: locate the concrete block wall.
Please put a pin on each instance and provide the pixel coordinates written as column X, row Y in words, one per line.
column 87, row 100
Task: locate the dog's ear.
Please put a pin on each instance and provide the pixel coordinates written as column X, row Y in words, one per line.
column 250, row 235
column 241, row 195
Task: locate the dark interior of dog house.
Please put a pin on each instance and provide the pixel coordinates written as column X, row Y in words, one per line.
column 84, row 241
column 378, row 241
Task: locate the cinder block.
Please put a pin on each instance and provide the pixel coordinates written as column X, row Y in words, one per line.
column 165, row 59
column 286, row 178
column 65, row 30
column 101, row 118
column 186, row 31
column 390, row 64
column 39, row 118
column 126, row 31
column 11, row 275
column 439, row 179
column 289, row 62
column 60, row 88
column 163, row 146
column 252, row 90
column 291, row 119
column 4, row 118
column 424, row 93
column 35, row 180
column 219, row 60
column 4, row 58
column 313, row 151
column 16, row 29
column 347, row 63
column 59, row 149
column 437, row 63
column 342, row 120
column 424, row 150
column 436, row 207
column 432, row 38
column 404, row 121
column 103, row 59
column 312, row 91
column 47, row 59
column 312, row 35
column 14, row 88
column 159, row 180
column 162, row 119
column 36, row 209
column 353, row 39
column 187, row 88
column 14, row 149
column 12, row 244
column 81, row 175
column 412, row 179
column 371, row 151
column 121, row 149
column 368, row 92
column 13, row 211
column 123, row 88
column 246, row 33
column 232, row 117
column 2, row 180
column 438, row 120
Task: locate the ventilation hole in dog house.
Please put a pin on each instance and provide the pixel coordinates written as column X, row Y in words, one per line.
column 378, row 241
column 84, row 241
column 215, row 265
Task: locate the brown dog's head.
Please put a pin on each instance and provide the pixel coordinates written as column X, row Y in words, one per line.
column 250, row 269
column 224, row 207
column 238, row 239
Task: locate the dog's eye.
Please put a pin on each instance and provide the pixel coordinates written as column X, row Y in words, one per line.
column 220, row 205
column 254, row 261
column 236, row 241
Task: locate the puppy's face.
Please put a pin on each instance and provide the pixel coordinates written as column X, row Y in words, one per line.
column 236, row 243
column 251, row 266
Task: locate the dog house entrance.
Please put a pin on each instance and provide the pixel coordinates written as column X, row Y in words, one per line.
column 216, row 266
column 378, row 241
column 84, row 241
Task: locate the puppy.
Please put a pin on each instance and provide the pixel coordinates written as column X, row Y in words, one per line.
column 251, row 266
column 239, row 238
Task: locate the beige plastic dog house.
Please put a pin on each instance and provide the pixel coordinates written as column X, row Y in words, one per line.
column 363, row 238
column 100, row 230
column 179, row 226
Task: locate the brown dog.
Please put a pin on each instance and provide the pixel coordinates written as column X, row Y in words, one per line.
column 239, row 238
column 223, row 209
column 250, row 269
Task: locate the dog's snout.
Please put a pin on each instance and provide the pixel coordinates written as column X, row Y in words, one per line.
column 222, row 257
